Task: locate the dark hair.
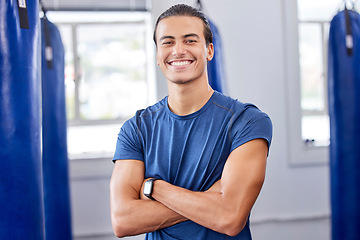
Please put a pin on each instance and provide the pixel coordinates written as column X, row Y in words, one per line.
column 185, row 10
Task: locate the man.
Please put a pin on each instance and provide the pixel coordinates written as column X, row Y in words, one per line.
column 197, row 155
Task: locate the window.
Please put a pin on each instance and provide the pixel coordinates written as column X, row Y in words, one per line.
column 314, row 18
column 109, row 74
column 314, row 22
column 306, row 29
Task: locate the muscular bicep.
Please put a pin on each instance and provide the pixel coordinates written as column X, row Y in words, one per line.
column 243, row 176
column 126, row 180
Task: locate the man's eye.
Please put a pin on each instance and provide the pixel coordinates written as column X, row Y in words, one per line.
column 166, row 43
column 190, row 41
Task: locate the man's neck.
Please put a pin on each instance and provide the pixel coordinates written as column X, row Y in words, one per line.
column 188, row 98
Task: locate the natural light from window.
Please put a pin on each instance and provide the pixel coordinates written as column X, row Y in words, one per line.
column 109, row 75
column 314, row 18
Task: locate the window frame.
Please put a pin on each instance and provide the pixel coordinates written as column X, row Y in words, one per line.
column 130, row 17
column 299, row 153
column 145, row 18
column 324, row 53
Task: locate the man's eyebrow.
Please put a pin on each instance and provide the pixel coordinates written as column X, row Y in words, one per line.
column 191, row 35
column 164, row 37
column 184, row 36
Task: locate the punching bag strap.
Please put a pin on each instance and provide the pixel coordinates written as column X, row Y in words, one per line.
column 199, row 5
column 349, row 37
column 48, row 48
column 23, row 14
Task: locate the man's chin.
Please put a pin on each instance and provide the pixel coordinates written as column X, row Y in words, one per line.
column 181, row 81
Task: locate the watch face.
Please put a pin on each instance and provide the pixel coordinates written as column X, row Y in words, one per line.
column 147, row 188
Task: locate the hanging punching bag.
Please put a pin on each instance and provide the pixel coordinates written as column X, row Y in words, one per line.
column 21, row 198
column 215, row 68
column 344, row 112
column 55, row 158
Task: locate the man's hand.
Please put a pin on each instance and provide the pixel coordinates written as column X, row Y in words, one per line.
column 216, row 187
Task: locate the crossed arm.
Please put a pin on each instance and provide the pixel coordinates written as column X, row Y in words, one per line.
column 223, row 208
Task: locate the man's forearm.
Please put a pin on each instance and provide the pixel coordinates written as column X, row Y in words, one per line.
column 142, row 216
column 131, row 215
column 208, row 209
column 226, row 208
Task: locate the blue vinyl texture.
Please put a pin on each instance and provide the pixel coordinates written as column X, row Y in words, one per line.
column 344, row 112
column 21, row 195
column 55, row 157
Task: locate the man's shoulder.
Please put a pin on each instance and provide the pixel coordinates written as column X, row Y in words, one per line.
column 149, row 114
column 237, row 107
column 231, row 104
column 152, row 109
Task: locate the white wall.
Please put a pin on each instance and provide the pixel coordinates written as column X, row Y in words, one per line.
column 294, row 202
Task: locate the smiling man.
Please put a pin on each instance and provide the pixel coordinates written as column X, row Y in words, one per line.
column 192, row 165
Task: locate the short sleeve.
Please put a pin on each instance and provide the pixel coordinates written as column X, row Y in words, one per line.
column 128, row 144
column 250, row 124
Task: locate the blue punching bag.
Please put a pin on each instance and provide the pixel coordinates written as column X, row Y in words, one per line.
column 55, row 158
column 344, row 111
column 216, row 72
column 21, row 198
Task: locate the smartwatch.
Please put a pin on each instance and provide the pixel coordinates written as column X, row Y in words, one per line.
column 148, row 188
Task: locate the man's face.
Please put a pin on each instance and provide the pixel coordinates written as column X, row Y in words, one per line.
column 182, row 53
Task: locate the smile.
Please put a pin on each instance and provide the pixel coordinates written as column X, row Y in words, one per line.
column 180, row 63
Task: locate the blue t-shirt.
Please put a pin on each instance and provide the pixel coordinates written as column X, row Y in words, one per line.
column 190, row 151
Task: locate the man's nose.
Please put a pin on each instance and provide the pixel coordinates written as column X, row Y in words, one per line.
column 179, row 49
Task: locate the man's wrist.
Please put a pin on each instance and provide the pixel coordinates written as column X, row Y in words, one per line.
column 149, row 188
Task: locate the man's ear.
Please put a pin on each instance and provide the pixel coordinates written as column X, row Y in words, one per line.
column 210, row 51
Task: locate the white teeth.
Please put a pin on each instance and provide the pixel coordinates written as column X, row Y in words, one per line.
column 180, row 63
